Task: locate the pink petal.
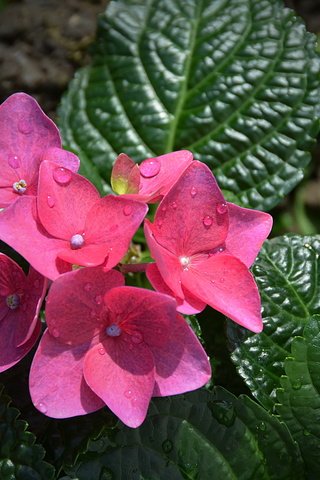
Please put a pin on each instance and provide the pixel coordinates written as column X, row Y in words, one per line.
column 25, row 133
column 122, row 377
column 20, row 230
column 167, row 263
column 57, row 385
column 181, row 364
column 226, row 284
column 125, row 176
column 141, row 311
column 193, row 216
column 12, row 277
column 190, row 305
column 64, row 200
column 74, row 306
column 10, row 353
column 111, row 223
column 62, row 157
column 248, row 229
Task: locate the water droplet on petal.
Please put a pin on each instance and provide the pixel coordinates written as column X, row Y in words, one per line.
column 76, row 241
column 159, row 223
column 62, row 176
column 20, row 187
column 174, row 205
column 207, row 221
column 101, row 351
column 50, row 201
column 193, row 192
column 14, row 161
column 128, row 393
column 55, row 332
column 127, row 210
column 222, row 208
column 164, row 208
column 41, row 407
column 150, row 168
column 212, row 281
column 98, row 299
column 24, row 127
column 137, row 338
column 88, row 287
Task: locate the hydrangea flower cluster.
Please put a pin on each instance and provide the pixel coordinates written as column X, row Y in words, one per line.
column 107, row 343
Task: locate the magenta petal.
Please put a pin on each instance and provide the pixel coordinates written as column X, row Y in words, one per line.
column 10, row 353
column 57, row 385
column 226, row 284
column 25, row 133
column 122, row 377
column 248, row 229
column 190, row 305
column 64, row 200
column 167, row 263
column 62, row 157
column 75, row 303
column 20, row 230
column 111, row 223
column 12, row 277
column 181, row 364
column 140, row 310
column 193, row 216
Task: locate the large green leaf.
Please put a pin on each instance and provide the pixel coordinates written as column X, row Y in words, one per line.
column 20, row 457
column 201, row 435
column 235, row 81
column 299, row 396
column 287, row 272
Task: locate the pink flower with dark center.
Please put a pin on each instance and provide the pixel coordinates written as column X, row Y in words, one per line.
column 21, row 297
column 152, row 179
column 203, row 247
column 28, row 137
column 112, row 346
column 68, row 223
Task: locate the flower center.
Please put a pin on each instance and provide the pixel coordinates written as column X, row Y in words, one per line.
column 76, row 241
column 184, row 262
column 113, row 330
column 13, row 301
column 20, row 187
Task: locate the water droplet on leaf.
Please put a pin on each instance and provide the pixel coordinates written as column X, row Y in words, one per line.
column 296, row 385
column 127, row 210
column 150, row 168
column 223, row 411
column 167, row 446
column 106, row 474
column 50, row 201
column 14, row 161
column 207, row 221
column 62, row 176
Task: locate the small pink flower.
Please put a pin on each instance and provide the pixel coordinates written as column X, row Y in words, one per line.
column 68, row 223
column 28, row 137
column 152, row 179
column 203, row 248
column 116, row 346
column 21, row 297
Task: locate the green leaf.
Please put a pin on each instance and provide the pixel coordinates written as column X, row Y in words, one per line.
column 236, row 82
column 20, row 457
column 287, row 272
column 200, row 435
column 299, row 396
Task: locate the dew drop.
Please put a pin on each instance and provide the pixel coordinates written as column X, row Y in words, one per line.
column 150, row 168
column 193, row 192
column 62, row 176
column 101, row 351
column 296, row 385
column 128, row 393
column 14, row 161
column 55, row 332
column 24, row 127
column 159, row 223
column 42, row 407
column 127, row 210
column 207, row 221
column 50, row 201
column 88, row 287
column 174, row 205
column 98, row 299
column 163, row 209
column 222, row 208
column 137, row 338
column 106, row 474
column 261, row 426
column 167, row 446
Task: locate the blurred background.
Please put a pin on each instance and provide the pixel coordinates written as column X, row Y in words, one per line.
column 43, row 42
